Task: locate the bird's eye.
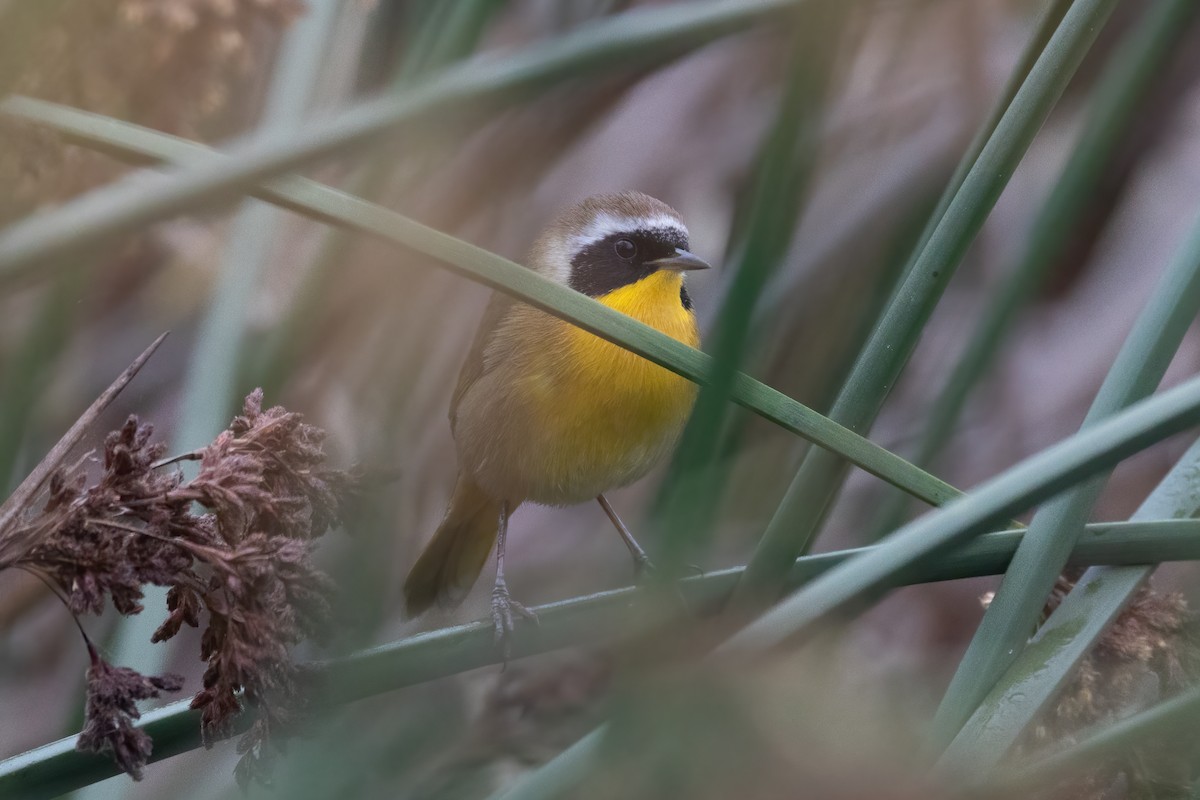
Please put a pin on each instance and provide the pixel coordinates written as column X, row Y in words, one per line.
column 625, row 249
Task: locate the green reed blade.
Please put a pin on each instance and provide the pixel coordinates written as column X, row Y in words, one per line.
column 57, row 767
column 1046, row 664
column 328, row 205
column 804, row 507
column 451, row 34
column 1043, row 29
column 635, row 39
column 1043, row 475
column 690, row 496
column 926, row 540
column 1014, row 612
column 1119, row 92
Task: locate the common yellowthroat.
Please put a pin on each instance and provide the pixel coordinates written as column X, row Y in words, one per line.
column 547, row 413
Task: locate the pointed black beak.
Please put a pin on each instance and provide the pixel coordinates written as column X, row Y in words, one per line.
column 680, row 261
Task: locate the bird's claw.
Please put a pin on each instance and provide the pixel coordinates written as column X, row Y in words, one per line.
column 503, row 610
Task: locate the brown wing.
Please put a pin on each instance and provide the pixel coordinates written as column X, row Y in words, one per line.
column 474, row 367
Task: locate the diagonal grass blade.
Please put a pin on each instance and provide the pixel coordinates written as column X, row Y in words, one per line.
column 1014, row 613
column 1042, row 669
column 57, row 767
column 923, row 541
column 1112, row 109
column 645, row 37
column 328, row 205
column 804, row 506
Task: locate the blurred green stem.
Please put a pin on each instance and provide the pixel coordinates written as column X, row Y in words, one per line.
column 821, row 474
column 28, row 373
column 450, row 33
column 630, row 40
column 57, row 767
column 848, row 586
column 209, row 394
column 1043, row 30
column 453, row 33
column 1118, row 94
column 689, row 498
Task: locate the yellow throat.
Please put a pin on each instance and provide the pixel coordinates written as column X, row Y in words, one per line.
column 614, row 413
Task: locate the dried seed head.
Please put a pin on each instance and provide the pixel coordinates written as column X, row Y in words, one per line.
column 112, row 697
column 243, row 568
column 1147, row 654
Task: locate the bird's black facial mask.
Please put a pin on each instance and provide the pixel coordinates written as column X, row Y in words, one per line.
column 620, row 259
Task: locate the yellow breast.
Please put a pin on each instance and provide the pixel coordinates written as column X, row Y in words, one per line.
column 607, row 415
column 650, row 395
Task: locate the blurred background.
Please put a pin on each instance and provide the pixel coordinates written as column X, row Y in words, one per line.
column 366, row 339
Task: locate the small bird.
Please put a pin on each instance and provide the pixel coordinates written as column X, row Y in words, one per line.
column 547, row 413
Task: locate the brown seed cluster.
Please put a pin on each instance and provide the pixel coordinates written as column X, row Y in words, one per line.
column 1148, row 654
column 242, row 567
column 112, row 698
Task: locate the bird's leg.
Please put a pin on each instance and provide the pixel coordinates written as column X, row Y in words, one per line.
column 641, row 562
column 503, row 606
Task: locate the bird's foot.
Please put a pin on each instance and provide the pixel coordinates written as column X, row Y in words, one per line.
column 504, row 611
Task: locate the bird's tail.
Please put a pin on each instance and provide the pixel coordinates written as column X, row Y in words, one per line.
column 450, row 564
